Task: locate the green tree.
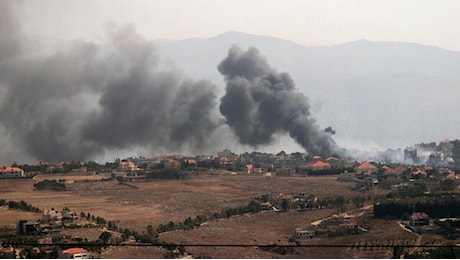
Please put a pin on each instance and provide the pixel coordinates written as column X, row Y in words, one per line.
column 150, row 230
column 105, row 237
column 340, row 202
column 254, row 206
column 447, row 184
column 285, row 205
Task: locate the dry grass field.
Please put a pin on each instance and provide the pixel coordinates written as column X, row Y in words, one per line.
column 158, row 202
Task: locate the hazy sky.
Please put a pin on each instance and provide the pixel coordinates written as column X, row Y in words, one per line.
column 302, row 21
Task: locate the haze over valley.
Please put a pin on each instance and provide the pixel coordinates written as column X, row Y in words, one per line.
column 131, row 96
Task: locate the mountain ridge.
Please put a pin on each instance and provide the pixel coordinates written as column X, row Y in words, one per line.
column 379, row 94
column 374, row 93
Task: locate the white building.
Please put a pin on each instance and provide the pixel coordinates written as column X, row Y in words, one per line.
column 11, row 172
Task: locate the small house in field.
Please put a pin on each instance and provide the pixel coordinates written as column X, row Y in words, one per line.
column 127, row 166
column 418, row 174
column 365, row 184
column 304, row 234
column 75, row 253
column 419, row 219
column 252, row 169
column 28, row 228
column 191, row 162
column 366, row 167
column 11, row 172
column 319, row 165
column 225, row 161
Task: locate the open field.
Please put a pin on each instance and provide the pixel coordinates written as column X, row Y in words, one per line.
column 158, row 202
column 9, row 218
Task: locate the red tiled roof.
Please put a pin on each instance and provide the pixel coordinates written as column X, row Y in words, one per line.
column 366, row 165
column 74, row 250
column 451, row 176
column 12, row 169
column 397, row 170
column 419, row 215
column 192, row 161
column 8, row 250
column 319, row 164
column 418, row 172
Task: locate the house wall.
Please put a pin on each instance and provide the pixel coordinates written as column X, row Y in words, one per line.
column 12, row 174
column 304, row 234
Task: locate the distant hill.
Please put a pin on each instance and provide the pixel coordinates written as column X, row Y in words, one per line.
column 374, row 94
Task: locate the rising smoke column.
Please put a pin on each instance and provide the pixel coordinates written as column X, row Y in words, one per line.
column 79, row 102
column 260, row 102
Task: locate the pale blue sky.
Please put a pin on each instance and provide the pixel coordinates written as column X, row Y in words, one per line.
column 302, row 21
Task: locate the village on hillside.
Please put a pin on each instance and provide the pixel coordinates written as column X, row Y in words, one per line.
column 418, row 187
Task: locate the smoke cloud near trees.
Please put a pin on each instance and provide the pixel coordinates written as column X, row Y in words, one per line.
column 89, row 99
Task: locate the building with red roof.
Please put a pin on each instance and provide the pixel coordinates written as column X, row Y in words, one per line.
column 225, row 161
column 366, row 167
column 76, row 252
column 319, row 165
column 419, row 219
column 11, row 172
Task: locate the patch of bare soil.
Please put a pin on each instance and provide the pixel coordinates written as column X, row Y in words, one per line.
column 92, row 234
column 10, row 217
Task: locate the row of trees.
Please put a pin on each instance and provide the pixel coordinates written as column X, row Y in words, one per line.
column 434, row 207
column 330, row 171
column 190, row 223
column 21, row 205
column 50, row 185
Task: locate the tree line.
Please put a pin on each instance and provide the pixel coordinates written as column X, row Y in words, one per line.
column 435, row 208
column 21, row 205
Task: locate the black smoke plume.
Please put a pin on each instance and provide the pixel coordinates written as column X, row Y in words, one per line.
column 260, row 102
column 86, row 99
column 78, row 103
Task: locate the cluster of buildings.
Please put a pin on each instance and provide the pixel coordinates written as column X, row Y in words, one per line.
column 252, row 163
column 70, row 253
column 445, row 153
column 47, row 229
column 368, row 175
column 49, row 224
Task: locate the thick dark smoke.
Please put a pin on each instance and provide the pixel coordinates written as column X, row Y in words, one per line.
column 76, row 104
column 141, row 103
column 9, row 32
column 88, row 99
column 260, row 102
